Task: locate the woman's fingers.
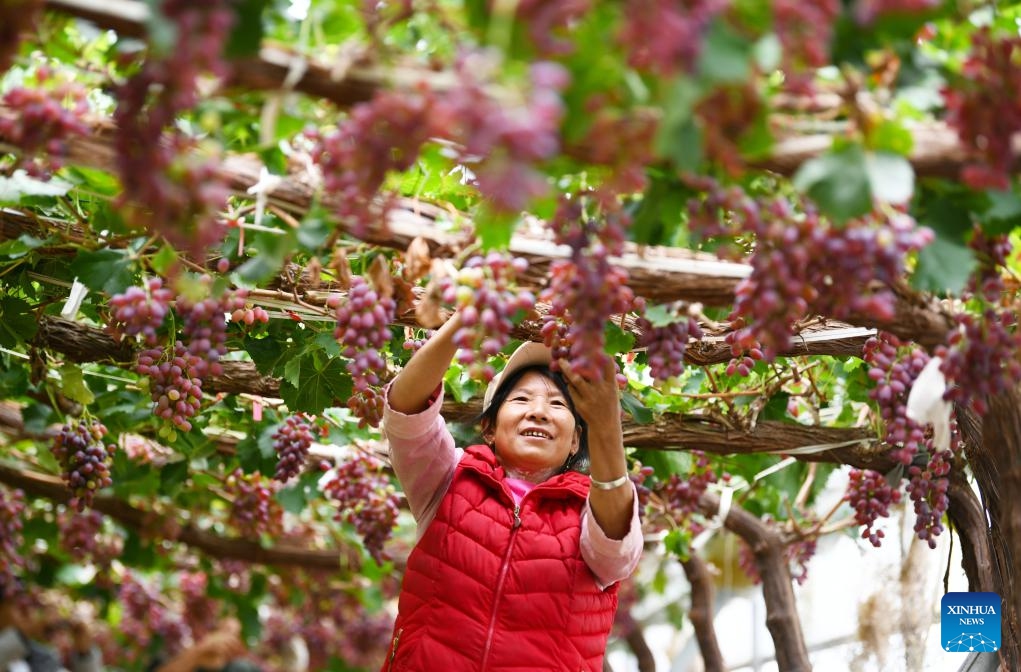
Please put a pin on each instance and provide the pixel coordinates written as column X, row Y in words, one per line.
column 592, row 396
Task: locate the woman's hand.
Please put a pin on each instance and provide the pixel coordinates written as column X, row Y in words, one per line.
column 416, row 382
column 212, row 652
column 598, row 403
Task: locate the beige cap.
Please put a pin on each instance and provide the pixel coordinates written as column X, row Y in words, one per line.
column 527, row 354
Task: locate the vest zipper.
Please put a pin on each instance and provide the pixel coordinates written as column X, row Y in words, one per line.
column 499, row 587
column 393, row 650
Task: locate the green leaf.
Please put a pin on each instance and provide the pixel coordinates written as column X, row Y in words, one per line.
column 838, row 182
column 163, row 260
column 20, row 184
column 725, row 55
column 94, row 180
column 17, row 323
column 776, row 407
column 292, row 371
column 768, row 52
column 944, row 266
column 891, row 177
column 320, row 381
column 494, row 229
column 617, row 340
column 315, row 230
column 892, row 136
column 1003, row 214
column 634, row 407
column 106, row 270
column 296, row 497
column 270, row 251
column 662, row 316
column 36, row 418
column 246, row 34
column 73, row 385
column 162, row 33
column 19, row 247
column 173, row 476
column 679, row 138
column 659, row 214
column 266, row 353
column 678, row 542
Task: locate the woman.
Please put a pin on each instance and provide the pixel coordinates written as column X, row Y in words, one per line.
column 519, row 555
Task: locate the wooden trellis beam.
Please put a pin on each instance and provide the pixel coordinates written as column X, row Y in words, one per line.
column 854, row 446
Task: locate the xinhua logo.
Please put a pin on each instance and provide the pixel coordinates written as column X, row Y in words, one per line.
column 970, row 622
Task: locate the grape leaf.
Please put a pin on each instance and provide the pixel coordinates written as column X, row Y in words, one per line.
column 943, row 266
column 17, row 323
column 20, row 184
column 73, row 384
column 725, row 55
column 247, row 31
column 19, row 247
column 891, row 177
column 173, row 476
column 617, row 340
column 105, row 270
column 838, row 182
column 320, row 381
column 641, row 413
column 1003, row 214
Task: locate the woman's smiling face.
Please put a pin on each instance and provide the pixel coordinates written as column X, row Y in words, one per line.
column 535, row 429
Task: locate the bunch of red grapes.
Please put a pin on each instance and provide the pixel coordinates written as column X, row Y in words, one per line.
column 484, row 292
column 291, row 443
column 870, row 495
column 367, row 499
column 894, row 370
column 41, row 121
column 379, row 136
column 984, row 107
column 502, row 141
column 803, row 264
column 254, row 510
column 84, row 459
column 164, row 181
column 665, row 344
column 363, row 330
column 665, row 36
column 12, row 508
column 140, row 311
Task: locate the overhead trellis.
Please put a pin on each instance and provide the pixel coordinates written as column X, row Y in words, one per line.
column 775, row 237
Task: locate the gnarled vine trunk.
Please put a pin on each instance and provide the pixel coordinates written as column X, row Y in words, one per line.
column 993, row 445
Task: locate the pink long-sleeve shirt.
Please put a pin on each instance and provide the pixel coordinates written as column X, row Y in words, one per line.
column 423, row 455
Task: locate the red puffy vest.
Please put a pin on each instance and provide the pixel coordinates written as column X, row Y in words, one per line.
column 491, row 587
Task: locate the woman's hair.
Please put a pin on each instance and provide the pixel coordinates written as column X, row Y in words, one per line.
column 576, row 462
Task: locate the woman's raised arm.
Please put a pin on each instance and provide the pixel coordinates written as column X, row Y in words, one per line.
column 597, row 402
column 415, row 384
